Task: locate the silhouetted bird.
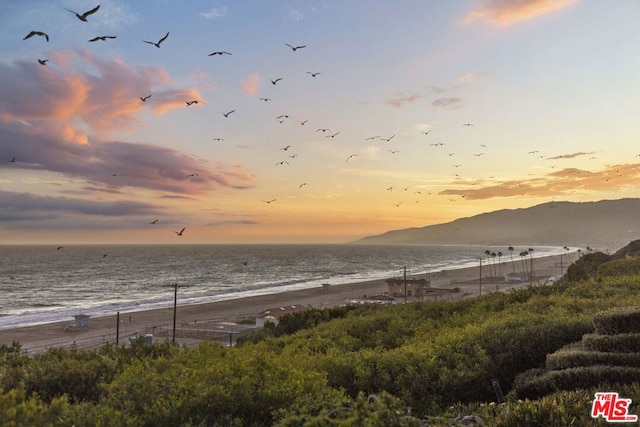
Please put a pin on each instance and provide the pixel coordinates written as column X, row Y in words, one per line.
column 191, row 102
column 36, row 33
column 294, row 48
column 219, row 53
column 144, row 98
column 276, row 80
column 103, row 38
column 84, row 16
column 42, row 61
column 159, row 41
column 312, row 74
column 179, row 233
column 227, row 114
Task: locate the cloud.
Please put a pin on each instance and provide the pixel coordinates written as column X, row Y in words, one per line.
column 403, row 101
column 295, row 15
column 27, row 206
column 447, row 103
column 59, row 119
column 83, row 93
column 571, row 155
column 214, row 13
column 563, row 182
column 232, row 222
column 251, row 84
column 502, row 13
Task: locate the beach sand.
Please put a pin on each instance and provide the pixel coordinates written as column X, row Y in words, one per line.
column 228, row 318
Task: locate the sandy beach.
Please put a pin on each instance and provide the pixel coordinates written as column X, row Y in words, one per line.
column 217, row 320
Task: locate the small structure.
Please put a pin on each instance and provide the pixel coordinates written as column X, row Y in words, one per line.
column 326, row 287
column 413, row 287
column 274, row 315
column 82, row 320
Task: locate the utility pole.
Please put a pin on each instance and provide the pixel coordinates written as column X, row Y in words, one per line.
column 405, row 284
column 175, row 287
column 117, row 328
column 480, row 293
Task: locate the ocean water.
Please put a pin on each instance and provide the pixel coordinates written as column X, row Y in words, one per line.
column 42, row 284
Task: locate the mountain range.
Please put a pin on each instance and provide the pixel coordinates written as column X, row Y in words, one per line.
column 601, row 225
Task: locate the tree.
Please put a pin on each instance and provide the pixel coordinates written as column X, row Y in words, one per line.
column 510, row 248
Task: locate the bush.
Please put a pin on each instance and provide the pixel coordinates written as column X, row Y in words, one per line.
column 620, row 343
column 563, row 359
column 617, row 321
column 619, row 267
column 586, row 266
column 536, row 385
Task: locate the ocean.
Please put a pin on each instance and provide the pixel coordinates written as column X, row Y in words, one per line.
column 43, row 284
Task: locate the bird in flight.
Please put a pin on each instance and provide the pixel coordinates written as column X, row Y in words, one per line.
column 265, row 99
column 191, row 102
column 155, row 221
column 312, row 74
column 468, row 124
column 393, row 151
column 282, row 163
column 353, row 155
column 333, row 136
column 286, row 148
column 302, row 122
column 179, row 233
column 36, row 33
column 191, row 175
column 427, row 132
column 227, row 114
column 42, row 61
column 388, row 139
column 294, row 48
column 13, row 160
column 302, row 185
column 218, row 139
column 322, row 130
column 372, row 137
column 274, row 82
column 159, row 41
column 84, row 16
column 144, row 98
column 219, row 53
column 269, row 201
column 103, row 38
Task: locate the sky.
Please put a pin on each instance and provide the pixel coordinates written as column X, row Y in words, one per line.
column 387, row 115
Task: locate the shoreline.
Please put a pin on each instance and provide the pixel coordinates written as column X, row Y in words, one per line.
column 223, row 314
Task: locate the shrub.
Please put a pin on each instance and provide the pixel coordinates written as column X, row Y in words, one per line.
column 563, row 359
column 619, row 267
column 586, row 266
column 617, row 321
column 620, row 343
column 536, row 385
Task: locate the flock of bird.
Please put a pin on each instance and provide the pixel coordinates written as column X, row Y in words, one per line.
column 323, row 131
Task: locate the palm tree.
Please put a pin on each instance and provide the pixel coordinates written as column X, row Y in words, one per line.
column 493, row 257
column 500, row 262
column 523, row 255
column 510, row 248
column 488, row 255
column 531, row 260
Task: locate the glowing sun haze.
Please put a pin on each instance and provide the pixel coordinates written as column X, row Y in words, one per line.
column 321, row 123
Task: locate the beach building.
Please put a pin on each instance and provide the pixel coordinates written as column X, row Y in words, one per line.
column 274, row 315
column 414, row 287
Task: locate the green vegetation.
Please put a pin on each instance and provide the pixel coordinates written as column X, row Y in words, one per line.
column 550, row 348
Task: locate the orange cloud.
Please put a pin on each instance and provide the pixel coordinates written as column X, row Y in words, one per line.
column 502, row 13
column 251, row 84
column 571, row 155
column 557, row 183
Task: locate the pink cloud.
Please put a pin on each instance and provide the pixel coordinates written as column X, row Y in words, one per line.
column 251, row 84
column 502, row 13
column 403, row 101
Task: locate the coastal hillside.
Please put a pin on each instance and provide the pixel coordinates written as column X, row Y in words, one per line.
column 597, row 224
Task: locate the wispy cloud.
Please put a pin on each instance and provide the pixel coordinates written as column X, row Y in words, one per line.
column 402, row 101
column 295, row 15
column 447, row 103
column 251, row 84
column 571, row 155
column 214, row 13
column 502, row 13
column 563, row 182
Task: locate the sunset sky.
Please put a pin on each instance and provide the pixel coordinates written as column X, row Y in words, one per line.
column 422, row 112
